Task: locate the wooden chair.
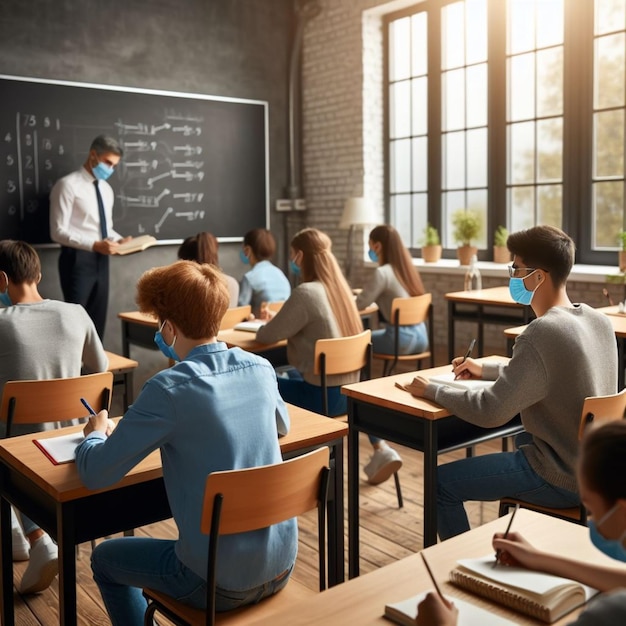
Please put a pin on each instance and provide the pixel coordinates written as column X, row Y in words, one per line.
column 344, row 355
column 239, row 501
column 234, row 315
column 408, row 312
column 596, row 409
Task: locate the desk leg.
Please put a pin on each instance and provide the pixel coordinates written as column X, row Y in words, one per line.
column 67, row 564
column 481, row 331
column 6, row 571
column 451, row 314
column 430, row 483
column 125, row 342
column 336, row 567
column 621, row 374
column 353, row 493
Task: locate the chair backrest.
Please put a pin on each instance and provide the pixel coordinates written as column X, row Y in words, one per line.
column 411, row 311
column 275, row 306
column 234, row 315
column 52, row 400
column 242, row 500
column 601, row 409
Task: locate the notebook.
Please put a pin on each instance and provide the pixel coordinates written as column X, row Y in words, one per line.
column 539, row 595
column 461, row 383
column 251, row 326
column 136, row 244
column 61, row 449
column 405, row 612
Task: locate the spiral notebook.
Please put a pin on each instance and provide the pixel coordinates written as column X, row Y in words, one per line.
column 539, row 595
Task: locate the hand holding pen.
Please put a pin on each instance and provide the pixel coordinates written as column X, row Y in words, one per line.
column 506, row 532
column 435, row 608
column 97, row 421
column 458, row 362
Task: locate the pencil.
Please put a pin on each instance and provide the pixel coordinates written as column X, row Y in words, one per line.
column 430, row 573
column 506, row 532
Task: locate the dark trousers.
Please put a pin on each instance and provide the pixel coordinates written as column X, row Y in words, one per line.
column 85, row 280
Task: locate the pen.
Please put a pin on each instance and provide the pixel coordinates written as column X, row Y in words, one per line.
column 468, row 353
column 506, row 532
column 430, row 573
column 88, row 406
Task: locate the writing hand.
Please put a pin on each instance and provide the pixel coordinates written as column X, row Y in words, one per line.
column 435, row 611
column 266, row 313
column 99, row 422
column 466, row 368
column 515, row 550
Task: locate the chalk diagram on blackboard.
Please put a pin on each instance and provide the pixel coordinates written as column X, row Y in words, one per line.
column 190, row 162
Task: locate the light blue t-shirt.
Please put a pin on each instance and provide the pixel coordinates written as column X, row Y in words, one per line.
column 218, row 409
column 263, row 283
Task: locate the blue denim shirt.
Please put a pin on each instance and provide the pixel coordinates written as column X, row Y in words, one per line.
column 218, row 409
column 263, row 283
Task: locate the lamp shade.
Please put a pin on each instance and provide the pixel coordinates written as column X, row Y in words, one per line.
column 357, row 211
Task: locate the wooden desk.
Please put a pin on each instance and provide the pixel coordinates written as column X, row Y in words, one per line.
column 362, row 600
column 54, row 497
column 478, row 306
column 379, row 408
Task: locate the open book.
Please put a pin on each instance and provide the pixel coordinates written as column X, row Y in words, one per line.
column 61, row 449
column 136, row 244
column 250, row 326
column 405, row 612
column 539, row 595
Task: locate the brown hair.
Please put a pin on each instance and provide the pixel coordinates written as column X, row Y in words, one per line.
column 193, row 296
column 603, row 459
column 262, row 243
column 546, row 248
column 319, row 263
column 395, row 253
column 20, row 262
column 201, row 248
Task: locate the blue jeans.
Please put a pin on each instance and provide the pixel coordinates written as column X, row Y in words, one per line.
column 122, row 567
column 412, row 339
column 487, row 478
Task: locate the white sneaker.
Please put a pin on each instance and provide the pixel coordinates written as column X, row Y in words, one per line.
column 384, row 463
column 21, row 547
column 43, row 566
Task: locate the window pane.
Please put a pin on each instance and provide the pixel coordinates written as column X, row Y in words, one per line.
column 609, row 144
column 399, row 47
column 401, row 165
column 521, row 160
column 521, row 26
column 420, row 164
column 522, row 87
column 550, row 150
column 401, row 216
column 420, row 106
column 476, row 31
column 420, row 218
column 477, row 95
column 450, row 203
column 419, row 44
column 608, row 200
column 453, row 100
column 452, row 36
column 609, row 71
column 477, row 158
column 477, row 202
column 550, row 205
column 521, row 208
column 610, row 15
column 454, row 155
column 549, row 22
column 399, row 109
column 550, row 82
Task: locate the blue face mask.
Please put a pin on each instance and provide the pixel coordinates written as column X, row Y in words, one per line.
column 518, row 291
column 610, row 547
column 167, row 350
column 102, row 171
column 244, row 259
column 5, row 299
column 294, row 268
column 372, row 255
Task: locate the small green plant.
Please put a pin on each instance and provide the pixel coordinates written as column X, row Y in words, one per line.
column 431, row 236
column 500, row 236
column 622, row 239
column 466, row 225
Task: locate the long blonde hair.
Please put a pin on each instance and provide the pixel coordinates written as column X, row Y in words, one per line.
column 394, row 252
column 319, row 263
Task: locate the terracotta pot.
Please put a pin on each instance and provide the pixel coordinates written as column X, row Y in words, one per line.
column 431, row 254
column 622, row 260
column 501, row 254
column 465, row 253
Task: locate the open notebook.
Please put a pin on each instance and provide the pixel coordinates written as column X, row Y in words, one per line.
column 405, row 612
column 60, row 449
column 448, row 379
column 539, row 595
column 250, row 326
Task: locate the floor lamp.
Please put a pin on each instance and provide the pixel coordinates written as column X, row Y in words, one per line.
column 356, row 212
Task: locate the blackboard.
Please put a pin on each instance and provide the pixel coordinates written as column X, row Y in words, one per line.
column 191, row 162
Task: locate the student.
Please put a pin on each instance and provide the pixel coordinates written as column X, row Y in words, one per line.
column 395, row 277
column 39, row 339
column 563, row 356
column 320, row 307
column 217, row 409
column 264, row 282
column 203, row 248
column 601, row 471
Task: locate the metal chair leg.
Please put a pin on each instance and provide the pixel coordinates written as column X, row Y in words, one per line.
column 398, row 490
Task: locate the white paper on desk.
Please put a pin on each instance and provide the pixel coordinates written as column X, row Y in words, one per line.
column 252, row 326
column 405, row 612
column 461, row 383
column 61, row 449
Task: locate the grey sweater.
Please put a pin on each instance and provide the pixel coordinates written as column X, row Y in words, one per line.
column 304, row 318
column 382, row 288
column 560, row 359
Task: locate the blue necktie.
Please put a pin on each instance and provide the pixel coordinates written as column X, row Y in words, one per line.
column 103, row 219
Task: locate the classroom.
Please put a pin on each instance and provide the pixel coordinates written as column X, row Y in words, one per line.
column 323, row 73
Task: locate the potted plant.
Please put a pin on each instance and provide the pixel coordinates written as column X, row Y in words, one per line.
column 501, row 253
column 431, row 246
column 466, row 225
column 622, row 252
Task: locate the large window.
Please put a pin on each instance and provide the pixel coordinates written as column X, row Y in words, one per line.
column 511, row 109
